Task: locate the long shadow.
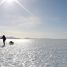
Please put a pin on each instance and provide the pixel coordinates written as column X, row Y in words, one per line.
column 2, row 46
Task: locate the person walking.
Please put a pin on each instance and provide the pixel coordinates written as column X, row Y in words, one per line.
column 4, row 39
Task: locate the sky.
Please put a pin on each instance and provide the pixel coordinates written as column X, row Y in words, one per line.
column 34, row 18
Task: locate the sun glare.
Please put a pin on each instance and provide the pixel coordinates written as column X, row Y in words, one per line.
column 9, row 1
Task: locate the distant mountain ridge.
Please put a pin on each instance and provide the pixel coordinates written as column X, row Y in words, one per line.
column 10, row 37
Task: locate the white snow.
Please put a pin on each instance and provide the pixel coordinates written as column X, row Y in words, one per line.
column 34, row 53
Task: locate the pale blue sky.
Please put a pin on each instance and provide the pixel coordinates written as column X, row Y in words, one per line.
column 34, row 18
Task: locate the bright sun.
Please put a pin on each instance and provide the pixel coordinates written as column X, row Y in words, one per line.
column 9, row 1
column 15, row 1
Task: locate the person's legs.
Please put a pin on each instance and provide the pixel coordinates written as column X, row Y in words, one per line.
column 3, row 43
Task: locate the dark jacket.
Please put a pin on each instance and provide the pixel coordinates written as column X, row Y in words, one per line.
column 3, row 37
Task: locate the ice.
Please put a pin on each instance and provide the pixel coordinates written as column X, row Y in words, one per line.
column 34, row 53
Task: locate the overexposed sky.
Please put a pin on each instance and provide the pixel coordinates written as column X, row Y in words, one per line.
column 34, row 18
